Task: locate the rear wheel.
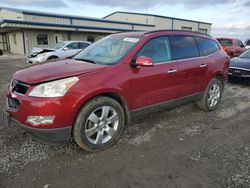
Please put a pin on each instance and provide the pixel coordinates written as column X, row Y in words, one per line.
column 99, row 124
column 212, row 96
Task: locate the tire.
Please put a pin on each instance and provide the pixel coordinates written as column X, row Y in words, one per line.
column 94, row 130
column 212, row 95
column 52, row 57
column 231, row 55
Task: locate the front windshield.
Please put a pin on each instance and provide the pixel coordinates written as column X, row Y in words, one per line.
column 57, row 45
column 109, row 50
column 225, row 42
column 245, row 54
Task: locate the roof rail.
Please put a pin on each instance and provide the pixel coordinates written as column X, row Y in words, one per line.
column 177, row 30
column 128, row 31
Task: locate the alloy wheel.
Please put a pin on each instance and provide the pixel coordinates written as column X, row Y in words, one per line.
column 101, row 125
column 214, row 95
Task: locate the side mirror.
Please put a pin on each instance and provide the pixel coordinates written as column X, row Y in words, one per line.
column 65, row 48
column 143, row 61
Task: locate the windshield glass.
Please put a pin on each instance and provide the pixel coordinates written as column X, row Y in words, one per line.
column 109, row 50
column 225, row 42
column 57, row 45
column 245, row 54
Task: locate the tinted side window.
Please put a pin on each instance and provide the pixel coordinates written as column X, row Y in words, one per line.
column 158, row 49
column 183, row 47
column 73, row 46
column 83, row 45
column 207, row 46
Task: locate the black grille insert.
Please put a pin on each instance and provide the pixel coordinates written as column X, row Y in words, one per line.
column 13, row 103
column 19, row 87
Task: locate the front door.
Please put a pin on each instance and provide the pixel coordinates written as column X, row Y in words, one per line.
column 157, row 84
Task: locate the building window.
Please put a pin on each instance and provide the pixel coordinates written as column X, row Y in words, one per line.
column 14, row 38
column 186, row 28
column 90, row 38
column 42, row 39
column 204, row 31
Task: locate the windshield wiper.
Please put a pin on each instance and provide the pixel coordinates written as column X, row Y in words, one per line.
column 87, row 60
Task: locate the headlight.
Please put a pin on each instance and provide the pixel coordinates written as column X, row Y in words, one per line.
column 56, row 88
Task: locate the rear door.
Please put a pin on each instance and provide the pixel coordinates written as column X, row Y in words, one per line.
column 154, row 85
column 192, row 67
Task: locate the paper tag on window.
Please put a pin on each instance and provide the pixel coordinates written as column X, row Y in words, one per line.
column 134, row 40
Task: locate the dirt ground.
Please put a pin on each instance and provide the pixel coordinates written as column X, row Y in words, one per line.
column 181, row 147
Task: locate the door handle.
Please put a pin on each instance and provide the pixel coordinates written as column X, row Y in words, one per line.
column 171, row 71
column 203, row 65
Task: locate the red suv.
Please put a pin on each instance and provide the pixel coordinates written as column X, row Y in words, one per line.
column 91, row 97
column 233, row 47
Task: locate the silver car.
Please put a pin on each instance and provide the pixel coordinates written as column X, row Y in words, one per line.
column 57, row 51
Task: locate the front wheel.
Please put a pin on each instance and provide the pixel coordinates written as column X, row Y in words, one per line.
column 99, row 124
column 212, row 96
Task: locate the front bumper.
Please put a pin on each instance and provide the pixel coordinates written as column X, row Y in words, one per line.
column 54, row 135
column 34, row 60
column 239, row 72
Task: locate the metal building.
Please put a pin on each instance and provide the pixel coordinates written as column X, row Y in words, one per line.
column 21, row 30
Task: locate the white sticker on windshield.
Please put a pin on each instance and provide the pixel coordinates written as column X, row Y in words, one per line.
column 134, row 40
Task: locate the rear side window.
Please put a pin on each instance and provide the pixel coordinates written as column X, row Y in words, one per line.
column 83, row 45
column 158, row 49
column 225, row 42
column 183, row 47
column 248, row 43
column 207, row 46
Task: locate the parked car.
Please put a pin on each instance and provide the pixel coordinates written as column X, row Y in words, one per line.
column 57, row 51
column 233, row 47
column 92, row 96
column 247, row 43
column 240, row 66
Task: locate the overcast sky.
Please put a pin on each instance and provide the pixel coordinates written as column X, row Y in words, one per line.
column 230, row 18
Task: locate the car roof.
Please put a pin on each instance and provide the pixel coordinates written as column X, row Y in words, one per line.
column 161, row 32
column 70, row 41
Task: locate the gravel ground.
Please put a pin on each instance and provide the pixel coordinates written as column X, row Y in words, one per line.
column 181, row 147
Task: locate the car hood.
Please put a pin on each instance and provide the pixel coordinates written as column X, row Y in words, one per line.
column 55, row 70
column 240, row 62
column 40, row 51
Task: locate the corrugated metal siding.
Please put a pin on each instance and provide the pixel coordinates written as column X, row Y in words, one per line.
column 101, row 24
column 163, row 23
column 178, row 24
column 46, row 19
column 132, row 18
column 6, row 14
column 38, row 27
column 205, row 26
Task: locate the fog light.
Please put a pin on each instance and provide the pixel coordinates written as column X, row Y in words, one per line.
column 40, row 120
